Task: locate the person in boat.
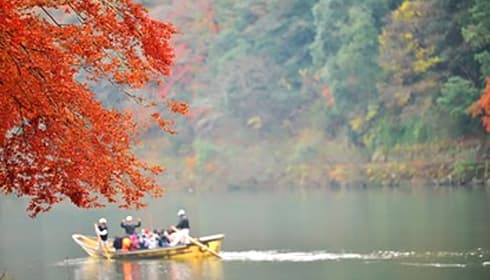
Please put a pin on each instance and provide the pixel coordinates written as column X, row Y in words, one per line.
column 126, row 244
column 143, row 239
column 181, row 230
column 151, row 240
column 128, row 226
column 102, row 231
column 162, row 238
column 135, row 245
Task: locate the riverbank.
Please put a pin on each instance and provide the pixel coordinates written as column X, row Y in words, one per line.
column 462, row 162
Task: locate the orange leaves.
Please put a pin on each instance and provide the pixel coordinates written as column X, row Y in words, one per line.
column 178, row 107
column 164, row 124
column 57, row 142
column 482, row 106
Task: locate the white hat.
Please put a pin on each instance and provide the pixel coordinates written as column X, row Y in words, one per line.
column 129, row 218
column 181, row 212
column 102, row 221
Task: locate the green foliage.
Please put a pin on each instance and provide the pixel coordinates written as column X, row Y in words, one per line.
column 301, row 73
column 457, row 94
column 477, row 33
column 484, row 59
column 465, row 170
column 390, row 133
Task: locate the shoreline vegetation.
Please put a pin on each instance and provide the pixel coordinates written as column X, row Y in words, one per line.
column 313, row 94
column 455, row 163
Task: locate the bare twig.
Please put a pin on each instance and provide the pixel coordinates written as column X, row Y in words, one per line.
column 51, row 17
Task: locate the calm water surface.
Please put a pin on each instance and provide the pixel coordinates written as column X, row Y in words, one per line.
column 414, row 233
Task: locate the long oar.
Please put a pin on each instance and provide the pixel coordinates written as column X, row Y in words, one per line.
column 104, row 248
column 204, row 247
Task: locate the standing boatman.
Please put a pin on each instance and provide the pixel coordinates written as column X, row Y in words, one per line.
column 102, row 231
column 182, row 229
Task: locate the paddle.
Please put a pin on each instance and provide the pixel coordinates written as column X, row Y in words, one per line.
column 104, row 248
column 202, row 246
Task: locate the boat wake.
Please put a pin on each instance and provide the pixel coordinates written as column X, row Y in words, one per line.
column 285, row 256
column 77, row 262
column 408, row 258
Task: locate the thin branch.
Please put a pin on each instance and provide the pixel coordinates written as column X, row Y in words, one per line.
column 80, row 18
column 50, row 16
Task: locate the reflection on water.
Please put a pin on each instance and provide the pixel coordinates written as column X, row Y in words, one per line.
column 144, row 269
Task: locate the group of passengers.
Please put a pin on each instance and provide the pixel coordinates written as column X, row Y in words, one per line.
column 145, row 238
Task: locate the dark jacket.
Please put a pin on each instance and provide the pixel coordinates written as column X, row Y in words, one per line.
column 103, row 232
column 183, row 223
column 130, row 228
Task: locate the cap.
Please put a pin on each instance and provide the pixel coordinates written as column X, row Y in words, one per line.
column 129, row 218
column 181, row 212
column 102, row 221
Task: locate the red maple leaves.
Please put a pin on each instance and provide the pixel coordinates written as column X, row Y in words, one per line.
column 56, row 140
column 482, row 106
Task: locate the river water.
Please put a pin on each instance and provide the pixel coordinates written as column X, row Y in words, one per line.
column 402, row 233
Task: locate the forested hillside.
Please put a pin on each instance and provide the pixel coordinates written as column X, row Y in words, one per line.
column 299, row 93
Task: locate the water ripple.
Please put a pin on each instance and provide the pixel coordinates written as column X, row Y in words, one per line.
column 438, row 265
column 431, row 259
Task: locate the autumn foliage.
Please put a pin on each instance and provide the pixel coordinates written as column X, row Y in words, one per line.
column 482, row 106
column 56, row 140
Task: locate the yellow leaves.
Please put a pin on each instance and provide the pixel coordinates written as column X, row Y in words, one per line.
column 407, row 11
column 407, row 36
column 373, row 110
column 383, row 38
column 359, row 121
column 338, row 173
column 421, row 66
column 356, row 123
column 255, row 122
column 402, row 98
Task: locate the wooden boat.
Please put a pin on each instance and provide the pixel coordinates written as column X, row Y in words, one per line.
column 90, row 245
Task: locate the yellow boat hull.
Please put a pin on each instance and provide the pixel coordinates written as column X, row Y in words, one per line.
column 181, row 252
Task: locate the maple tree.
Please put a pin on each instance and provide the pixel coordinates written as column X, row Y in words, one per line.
column 57, row 141
column 482, row 106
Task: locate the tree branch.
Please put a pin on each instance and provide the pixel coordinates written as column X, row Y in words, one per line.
column 50, row 16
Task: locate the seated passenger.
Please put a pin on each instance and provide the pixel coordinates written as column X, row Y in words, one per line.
column 117, row 244
column 126, row 244
column 152, row 240
column 141, row 240
column 134, row 242
column 162, row 239
column 128, row 225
